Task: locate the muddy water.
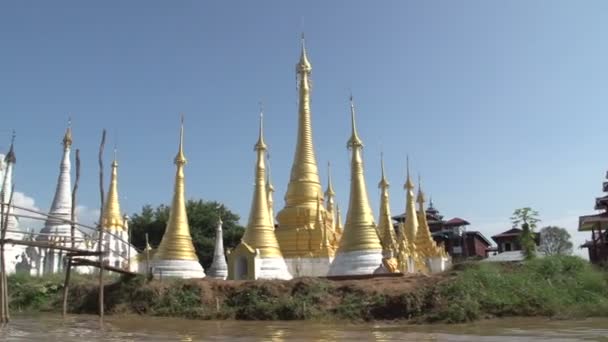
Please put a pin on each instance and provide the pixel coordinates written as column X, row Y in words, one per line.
column 134, row 328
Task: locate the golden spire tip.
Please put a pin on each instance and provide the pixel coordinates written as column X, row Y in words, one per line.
column 181, row 158
column 354, row 140
column 261, row 145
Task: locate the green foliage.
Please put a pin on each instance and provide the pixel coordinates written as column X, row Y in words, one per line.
column 555, row 241
column 550, row 286
column 202, row 218
column 528, row 218
column 528, row 244
column 525, row 215
column 27, row 293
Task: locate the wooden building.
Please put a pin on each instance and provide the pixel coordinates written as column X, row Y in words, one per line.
column 598, row 226
column 459, row 243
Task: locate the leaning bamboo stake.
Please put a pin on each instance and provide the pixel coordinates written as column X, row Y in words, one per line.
column 68, row 271
column 100, row 243
column 4, row 312
column 73, row 210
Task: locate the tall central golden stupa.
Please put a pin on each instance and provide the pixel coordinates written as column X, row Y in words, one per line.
column 304, row 222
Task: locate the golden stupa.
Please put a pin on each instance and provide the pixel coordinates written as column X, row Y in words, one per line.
column 176, row 255
column 259, row 233
column 332, row 214
column 258, row 255
column 360, row 251
column 425, row 245
column 386, row 230
column 112, row 218
column 410, row 226
column 296, row 232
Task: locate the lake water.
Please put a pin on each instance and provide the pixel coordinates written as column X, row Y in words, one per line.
column 134, row 328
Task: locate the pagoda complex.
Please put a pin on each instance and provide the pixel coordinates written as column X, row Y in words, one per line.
column 258, row 255
column 304, row 223
column 360, row 251
column 176, row 256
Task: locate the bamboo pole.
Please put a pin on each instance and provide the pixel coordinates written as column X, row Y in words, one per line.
column 3, row 227
column 99, row 245
column 5, row 316
column 68, row 271
column 66, row 285
column 147, row 258
column 73, row 210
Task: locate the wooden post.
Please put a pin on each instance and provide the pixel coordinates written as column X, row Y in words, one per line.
column 4, row 312
column 72, row 212
column 147, row 257
column 66, row 285
column 99, row 245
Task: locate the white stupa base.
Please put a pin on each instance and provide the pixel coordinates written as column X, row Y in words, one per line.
column 272, row 268
column 356, row 262
column 177, row 269
column 218, row 273
column 309, row 267
column 437, row 264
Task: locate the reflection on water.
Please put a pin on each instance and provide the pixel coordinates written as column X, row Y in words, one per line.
column 134, row 328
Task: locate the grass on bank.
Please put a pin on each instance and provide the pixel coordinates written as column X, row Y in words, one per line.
column 561, row 287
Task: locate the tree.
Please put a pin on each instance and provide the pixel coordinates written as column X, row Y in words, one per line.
column 555, row 241
column 528, row 218
column 202, row 218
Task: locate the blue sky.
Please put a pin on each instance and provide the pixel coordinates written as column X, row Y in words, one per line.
column 499, row 104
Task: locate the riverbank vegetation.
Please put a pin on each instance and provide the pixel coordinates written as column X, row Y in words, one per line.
column 560, row 286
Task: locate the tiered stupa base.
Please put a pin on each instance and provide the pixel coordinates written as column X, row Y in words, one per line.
column 217, row 273
column 177, row 269
column 309, row 267
column 272, row 268
column 356, row 263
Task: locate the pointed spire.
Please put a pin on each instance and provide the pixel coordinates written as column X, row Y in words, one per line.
column 219, row 267
column 259, row 233
column 385, row 222
column 420, row 196
column 10, row 156
column 408, row 182
column 411, row 219
column 426, row 247
column 303, row 65
column 176, row 243
column 383, row 181
column 261, row 145
column 67, row 138
column 360, row 228
column 180, row 158
column 329, row 192
column 6, row 185
column 112, row 219
column 339, row 226
column 354, row 140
